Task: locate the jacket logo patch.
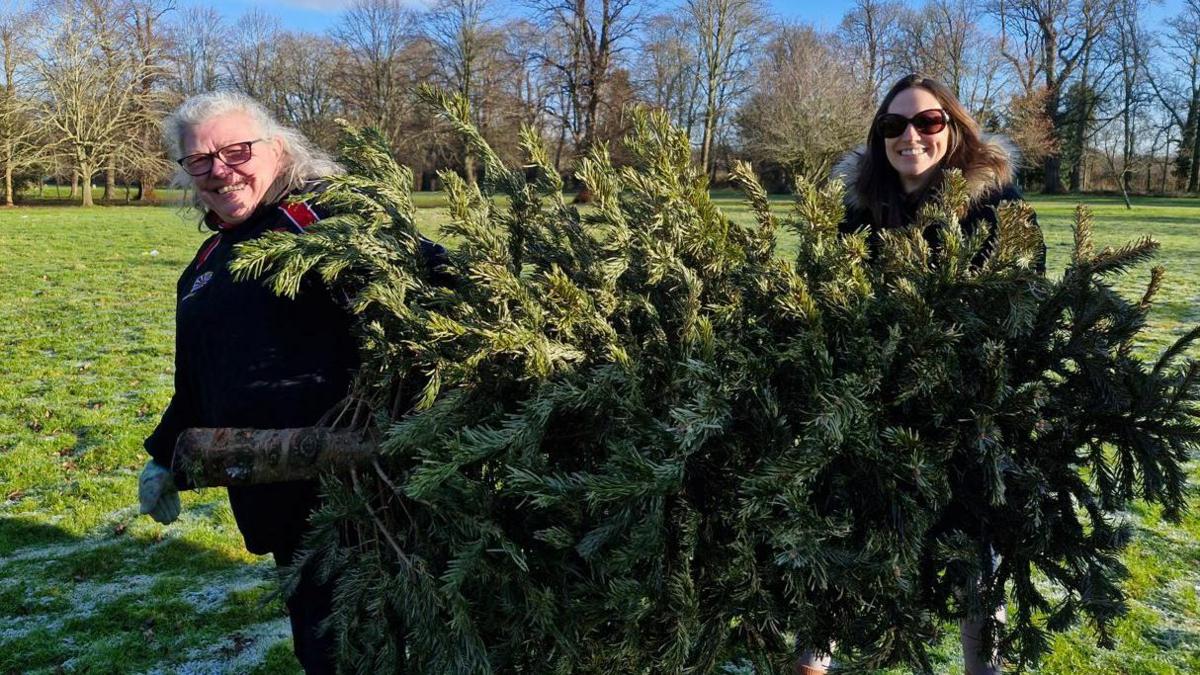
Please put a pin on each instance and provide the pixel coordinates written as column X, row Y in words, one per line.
column 199, row 283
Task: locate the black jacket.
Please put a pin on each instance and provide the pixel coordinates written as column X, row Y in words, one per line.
column 987, row 187
column 246, row 357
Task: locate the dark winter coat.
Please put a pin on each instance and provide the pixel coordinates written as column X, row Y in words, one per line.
column 988, row 187
column 246, row 357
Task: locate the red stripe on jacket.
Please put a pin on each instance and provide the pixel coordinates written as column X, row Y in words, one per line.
column 300, row 213
column 207, row 251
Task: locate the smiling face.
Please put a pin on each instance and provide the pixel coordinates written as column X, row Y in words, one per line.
column 915, row 156
column 233, row 192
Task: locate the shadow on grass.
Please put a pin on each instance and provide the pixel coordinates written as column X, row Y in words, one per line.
column 20, row 533
column 118, row 602
column 54, row 553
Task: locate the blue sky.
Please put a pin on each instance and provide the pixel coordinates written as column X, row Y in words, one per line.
column 317, row 15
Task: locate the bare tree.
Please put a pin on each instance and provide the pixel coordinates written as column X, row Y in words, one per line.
column 252, row 50
column 20, row 148
column 1130, row 44
column 944, row 39
column 1059, row 34
column 1175, row 80
column 667, row 70
column 866, row 34
column 90, row 98
column 590, row 35
column 200, row 39
column 377, row 36
column 726, row 32
column 142, row 154
column 804, row 111
column 104, row 21
column 464, row 38
column 302, row 71
column 532, row 81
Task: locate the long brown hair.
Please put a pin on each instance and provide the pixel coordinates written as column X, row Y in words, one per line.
column 878, row 180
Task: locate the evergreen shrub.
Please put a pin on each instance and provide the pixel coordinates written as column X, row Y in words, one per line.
column 638, row 438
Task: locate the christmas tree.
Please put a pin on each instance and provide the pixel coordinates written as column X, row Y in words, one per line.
column 638, row 438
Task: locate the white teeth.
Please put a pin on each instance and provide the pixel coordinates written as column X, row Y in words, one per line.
column 230, row 188
column 909, row 152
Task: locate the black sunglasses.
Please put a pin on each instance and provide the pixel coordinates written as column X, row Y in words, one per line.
column 928, row 122
column 201, row 163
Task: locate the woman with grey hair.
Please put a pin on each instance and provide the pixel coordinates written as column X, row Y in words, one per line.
column 245, row 357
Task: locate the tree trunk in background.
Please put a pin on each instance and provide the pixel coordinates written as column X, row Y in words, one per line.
column 110, row 184
column 86, row 171
column 1083, row 115
column 74, row 186
column 146, row 189
column 8, row 173
column 1194, row 167
column 1053, row 181
column 710, row 122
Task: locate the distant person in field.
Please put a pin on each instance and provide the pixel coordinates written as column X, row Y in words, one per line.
column 244, row 356
column 919, row 130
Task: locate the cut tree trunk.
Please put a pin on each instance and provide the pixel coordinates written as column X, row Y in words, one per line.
column 230, row 457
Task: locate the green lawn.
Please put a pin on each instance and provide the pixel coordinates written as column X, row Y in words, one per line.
column 87, row 585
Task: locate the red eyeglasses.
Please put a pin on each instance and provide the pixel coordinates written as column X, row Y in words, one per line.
column 928, row 122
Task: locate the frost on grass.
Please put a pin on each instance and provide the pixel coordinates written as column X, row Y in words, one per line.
column 56, row 551
column 15, row 628
column 218, row 589
column 87, row 597
column 47, row 604
column 236, row 653
column 84, row 598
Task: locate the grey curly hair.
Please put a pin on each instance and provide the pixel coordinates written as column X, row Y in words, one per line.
column 303, row 162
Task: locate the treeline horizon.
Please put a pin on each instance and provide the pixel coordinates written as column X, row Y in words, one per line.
column 1090, row 97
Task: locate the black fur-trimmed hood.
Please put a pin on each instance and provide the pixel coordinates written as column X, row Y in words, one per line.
column 992, row 173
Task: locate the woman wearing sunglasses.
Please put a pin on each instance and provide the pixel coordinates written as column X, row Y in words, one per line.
column 919, row 131
column 245, row 357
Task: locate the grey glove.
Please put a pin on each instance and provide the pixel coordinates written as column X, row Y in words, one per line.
column 157, row 494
